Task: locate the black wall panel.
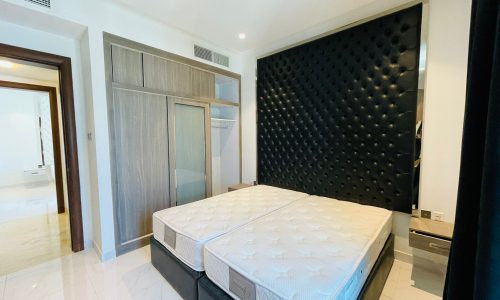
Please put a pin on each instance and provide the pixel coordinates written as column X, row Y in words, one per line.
column 336, row 116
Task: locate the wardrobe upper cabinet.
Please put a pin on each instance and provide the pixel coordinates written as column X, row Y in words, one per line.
column 203, row 84
column 127, row 66
column 166, row 75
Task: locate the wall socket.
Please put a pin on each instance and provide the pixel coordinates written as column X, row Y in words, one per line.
column 437, row 216
column 434, row 215
column 425, row 214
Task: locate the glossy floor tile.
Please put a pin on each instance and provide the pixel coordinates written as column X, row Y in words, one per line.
column 406, row 282
column 31, row 230
column 82, row 276
column 131, row 276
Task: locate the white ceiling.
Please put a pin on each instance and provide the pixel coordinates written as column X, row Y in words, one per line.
column 263, row 21
column 30, row 72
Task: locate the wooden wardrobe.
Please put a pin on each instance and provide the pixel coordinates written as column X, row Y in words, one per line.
column 158, row 103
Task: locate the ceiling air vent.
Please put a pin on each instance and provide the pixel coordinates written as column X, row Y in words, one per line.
column 210, row 55
column 44, row 3
column 221, row 59
column 203, row 53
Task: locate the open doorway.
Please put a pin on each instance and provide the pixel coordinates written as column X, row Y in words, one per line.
column 34, row 226
column 40, row 209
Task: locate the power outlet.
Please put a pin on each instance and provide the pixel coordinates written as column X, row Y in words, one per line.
column 437, row 216
column 425, row 214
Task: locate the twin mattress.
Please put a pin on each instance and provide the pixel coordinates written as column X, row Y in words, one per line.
column 185, row 229
column 314, row 248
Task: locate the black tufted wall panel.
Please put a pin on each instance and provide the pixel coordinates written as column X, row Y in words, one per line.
column 336, row 116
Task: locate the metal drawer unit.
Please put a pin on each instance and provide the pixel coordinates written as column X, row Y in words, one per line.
column 432, row 236
column 430, row 243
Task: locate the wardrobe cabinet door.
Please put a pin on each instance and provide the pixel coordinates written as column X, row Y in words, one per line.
column 141, row 168
column 166, row 75
column 203, row 84
column 127, row 66
column 190, row 156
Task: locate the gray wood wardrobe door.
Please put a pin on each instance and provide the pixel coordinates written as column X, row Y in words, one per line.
column 141, row 168
column 203, row 84
column 127, row 66
column 166, row 75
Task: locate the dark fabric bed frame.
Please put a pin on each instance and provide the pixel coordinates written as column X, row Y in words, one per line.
column 181, row 277
column 193, row 285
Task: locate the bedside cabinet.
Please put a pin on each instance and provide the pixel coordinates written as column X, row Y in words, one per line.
column 235, row 187
column 431, row 236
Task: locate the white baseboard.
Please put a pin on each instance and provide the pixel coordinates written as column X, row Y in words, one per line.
column 104, row 256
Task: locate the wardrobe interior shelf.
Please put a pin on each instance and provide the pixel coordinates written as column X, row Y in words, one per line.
column 222, row 123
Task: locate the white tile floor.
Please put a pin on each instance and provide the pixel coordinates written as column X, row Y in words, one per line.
column 406, row 282
column 82, row 276
column 131, row 276
column 31, row 230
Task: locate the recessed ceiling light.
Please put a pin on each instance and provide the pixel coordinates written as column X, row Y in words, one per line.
column 242, row 36
column 6, row 64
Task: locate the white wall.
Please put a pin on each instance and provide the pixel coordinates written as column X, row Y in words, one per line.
column 20, row 147
column 444, row 104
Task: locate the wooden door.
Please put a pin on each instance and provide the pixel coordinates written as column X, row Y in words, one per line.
column 141, row 168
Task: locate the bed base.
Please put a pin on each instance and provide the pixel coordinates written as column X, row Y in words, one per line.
column 372, row 289
column 181, row 277
column 193, row 285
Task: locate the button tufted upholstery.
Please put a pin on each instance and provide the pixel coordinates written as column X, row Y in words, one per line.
column 336, row 116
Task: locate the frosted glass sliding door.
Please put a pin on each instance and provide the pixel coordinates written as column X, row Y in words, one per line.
column 189, row 140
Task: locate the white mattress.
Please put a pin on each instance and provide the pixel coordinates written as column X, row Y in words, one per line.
column 314, row 248
column 185, row 229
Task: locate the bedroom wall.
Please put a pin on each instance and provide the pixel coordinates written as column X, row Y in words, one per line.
column 83, row 23
column 444, row 105
column 20, row 135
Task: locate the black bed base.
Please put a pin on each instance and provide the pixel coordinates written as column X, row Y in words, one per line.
column 372, row 289
column 181, row 277
column 193, row 285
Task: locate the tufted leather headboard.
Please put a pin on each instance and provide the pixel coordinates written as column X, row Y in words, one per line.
column 336, row 116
